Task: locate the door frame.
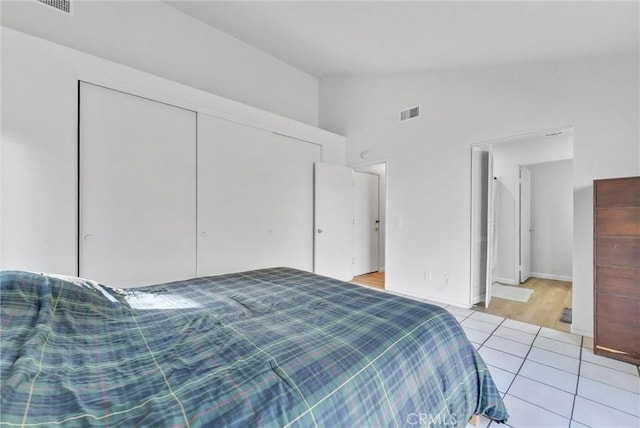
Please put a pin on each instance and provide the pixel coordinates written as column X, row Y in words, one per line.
column 382, row 189
column 486, row 145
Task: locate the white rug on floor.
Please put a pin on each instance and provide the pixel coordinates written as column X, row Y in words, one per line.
column 510, row 292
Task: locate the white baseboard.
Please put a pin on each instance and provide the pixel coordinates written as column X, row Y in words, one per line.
column 552, row 277
column 381, row 269
column 508, row 281
column 437, row 302
column 448, row 303
column 581, row 332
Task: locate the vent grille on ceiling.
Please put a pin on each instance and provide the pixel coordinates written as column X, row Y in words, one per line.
column 553, row 134
column 63, row 5
column 409, row 113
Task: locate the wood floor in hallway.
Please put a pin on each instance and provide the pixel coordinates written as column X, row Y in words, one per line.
column 543, row 308
column 373, row 279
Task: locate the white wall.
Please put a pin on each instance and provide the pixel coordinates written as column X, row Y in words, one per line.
column 507, row 157
column 156, row 38
column 552, row 220
column 429, row 158
column 39, row 142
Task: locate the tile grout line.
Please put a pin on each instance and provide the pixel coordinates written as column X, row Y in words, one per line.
column 522, row 364
column 534, row 380
column 608, row 406
column 482, row 344
column 543, row 349
column 609, row 368
column 578, row 375
column 492, row 331
column 576, row 393
column 540, row 407
column 556, row 368
column 575, row 396
column 545, row 384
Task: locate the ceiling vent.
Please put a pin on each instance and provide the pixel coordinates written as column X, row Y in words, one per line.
column 554, row 134
column 410, row 113
column 61, row 5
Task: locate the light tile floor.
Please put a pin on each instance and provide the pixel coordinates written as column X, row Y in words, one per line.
column 550, row 378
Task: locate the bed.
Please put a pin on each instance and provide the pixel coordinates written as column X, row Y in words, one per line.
column 270, row 347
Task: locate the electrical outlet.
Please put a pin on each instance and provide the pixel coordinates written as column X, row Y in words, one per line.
column 427, row 276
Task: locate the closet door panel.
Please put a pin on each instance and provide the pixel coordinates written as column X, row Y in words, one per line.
column 255, row 198
column 137, row 189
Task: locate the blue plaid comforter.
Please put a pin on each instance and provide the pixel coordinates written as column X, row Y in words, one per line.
column 273, row 347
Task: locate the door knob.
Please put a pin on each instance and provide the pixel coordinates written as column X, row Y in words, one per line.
column 88, row 237
column 320, row 231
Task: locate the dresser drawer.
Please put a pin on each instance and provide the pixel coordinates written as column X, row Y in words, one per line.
column 617, row 193
column 618, row 309
column 618, row 221
column 618, row 281
column 617, row 336
column 618, row 251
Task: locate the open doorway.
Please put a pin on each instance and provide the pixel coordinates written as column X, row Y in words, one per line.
column 522, row 225
column 370, row 224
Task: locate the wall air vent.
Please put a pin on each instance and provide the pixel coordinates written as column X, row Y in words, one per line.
column 410, row 113
column 62, row 5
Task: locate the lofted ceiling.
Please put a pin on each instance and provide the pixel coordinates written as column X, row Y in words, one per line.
column 327, row 39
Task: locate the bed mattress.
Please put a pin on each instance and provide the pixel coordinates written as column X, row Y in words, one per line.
column 271, row 347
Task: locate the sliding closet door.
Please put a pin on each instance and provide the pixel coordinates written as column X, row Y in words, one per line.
column 255, row 198
column 137, row 189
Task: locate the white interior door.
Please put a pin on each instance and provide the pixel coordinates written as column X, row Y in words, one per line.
column 367, row 223
column 255, row 198
column 137, row 222
column 333, row 221
column 525, row 224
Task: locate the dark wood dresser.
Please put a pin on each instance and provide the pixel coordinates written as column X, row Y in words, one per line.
column 617, row 268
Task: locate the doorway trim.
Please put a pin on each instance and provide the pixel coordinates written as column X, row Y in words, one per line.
column 359, row 167
column 486, row 146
